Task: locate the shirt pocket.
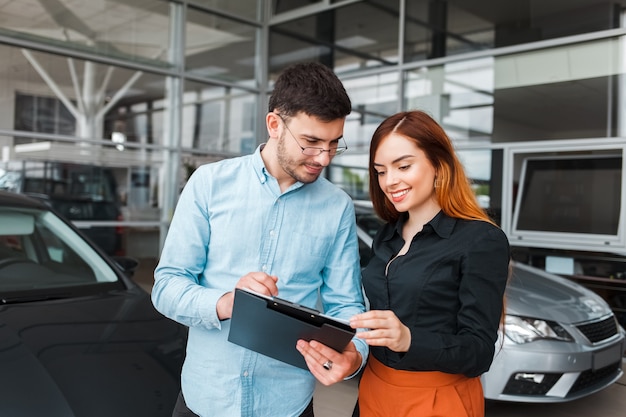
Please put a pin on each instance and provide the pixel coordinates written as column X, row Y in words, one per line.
column 302, row 258
column 309, row 245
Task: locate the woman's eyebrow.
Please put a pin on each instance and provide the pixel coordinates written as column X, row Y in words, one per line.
column 395, row 160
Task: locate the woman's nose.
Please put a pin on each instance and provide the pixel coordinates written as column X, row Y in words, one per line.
column 391, row 178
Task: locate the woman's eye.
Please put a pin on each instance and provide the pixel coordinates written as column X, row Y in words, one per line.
column 380, row 173
column 404, row 167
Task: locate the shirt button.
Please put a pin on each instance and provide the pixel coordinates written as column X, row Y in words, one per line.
column 264, row 268
column 271, row 233
column 245, row 373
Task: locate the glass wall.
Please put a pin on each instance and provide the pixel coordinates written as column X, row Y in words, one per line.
column 135, row 30
column 142, row 90
column 563, row 92
column 242, row 8
column 220, row 48
column 218, row 120
column 150, row 89
column 356, row 36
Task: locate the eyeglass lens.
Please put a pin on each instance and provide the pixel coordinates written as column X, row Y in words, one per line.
column 313, row 151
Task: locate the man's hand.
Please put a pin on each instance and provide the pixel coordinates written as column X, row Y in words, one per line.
column 258, row 282
column 338, row 365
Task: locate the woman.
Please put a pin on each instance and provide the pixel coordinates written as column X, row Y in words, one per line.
column 435, row 282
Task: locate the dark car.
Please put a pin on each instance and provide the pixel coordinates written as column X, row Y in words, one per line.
column 81, row 193
column 77, row 336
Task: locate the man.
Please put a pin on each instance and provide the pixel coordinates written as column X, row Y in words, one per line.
column 267, row 222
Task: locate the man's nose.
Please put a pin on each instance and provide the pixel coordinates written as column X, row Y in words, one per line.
column 324, row 158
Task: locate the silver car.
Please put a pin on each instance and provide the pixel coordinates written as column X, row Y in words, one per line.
column 560, row 340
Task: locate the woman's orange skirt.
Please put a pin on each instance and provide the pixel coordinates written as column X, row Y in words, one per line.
column 387, row 392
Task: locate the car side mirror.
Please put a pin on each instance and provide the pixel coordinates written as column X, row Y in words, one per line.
column 128, row 265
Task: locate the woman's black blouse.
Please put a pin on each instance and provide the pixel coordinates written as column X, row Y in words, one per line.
column 447, row 289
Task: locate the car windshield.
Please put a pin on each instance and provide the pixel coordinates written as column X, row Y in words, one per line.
column 61, row 180
column 41, row 253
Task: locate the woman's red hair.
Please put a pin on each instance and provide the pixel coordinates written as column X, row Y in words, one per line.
column 454, row 192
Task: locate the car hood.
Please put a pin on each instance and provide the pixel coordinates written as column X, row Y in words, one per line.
column 532, row 292
column 110, row 355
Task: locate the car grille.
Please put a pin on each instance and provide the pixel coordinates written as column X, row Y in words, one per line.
column 599, row 330
column 590, row 378
column 587, row 379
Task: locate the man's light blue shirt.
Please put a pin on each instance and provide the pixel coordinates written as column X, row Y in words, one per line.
column 232, row 219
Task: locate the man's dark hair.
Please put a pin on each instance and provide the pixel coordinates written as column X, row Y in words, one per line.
column 311, row 88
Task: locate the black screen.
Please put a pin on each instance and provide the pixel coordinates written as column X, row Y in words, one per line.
column 571, row 195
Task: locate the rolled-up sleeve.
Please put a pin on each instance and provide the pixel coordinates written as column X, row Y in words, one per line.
column 176, row 292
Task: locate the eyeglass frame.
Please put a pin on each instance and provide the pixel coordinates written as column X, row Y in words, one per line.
column 337, row 151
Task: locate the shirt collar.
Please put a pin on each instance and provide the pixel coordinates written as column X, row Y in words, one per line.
column 441, row 224
column 261, row 171
column 259, row 165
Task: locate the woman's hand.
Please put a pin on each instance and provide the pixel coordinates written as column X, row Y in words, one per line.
column 386, row 329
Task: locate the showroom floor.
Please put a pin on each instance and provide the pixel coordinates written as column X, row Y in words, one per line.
column 338, row 400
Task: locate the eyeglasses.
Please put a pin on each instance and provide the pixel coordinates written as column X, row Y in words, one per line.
column 313, row 151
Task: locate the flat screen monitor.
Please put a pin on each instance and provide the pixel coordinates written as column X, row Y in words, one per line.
column 570, row 202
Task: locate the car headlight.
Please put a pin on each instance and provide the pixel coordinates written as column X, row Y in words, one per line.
column 525, row 329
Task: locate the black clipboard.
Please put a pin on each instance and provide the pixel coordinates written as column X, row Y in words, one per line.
column 272, row 326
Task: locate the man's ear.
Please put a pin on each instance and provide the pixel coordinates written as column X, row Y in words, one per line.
column 272, row 122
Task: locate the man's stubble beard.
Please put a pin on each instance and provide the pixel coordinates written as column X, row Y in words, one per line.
column 289, row 165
